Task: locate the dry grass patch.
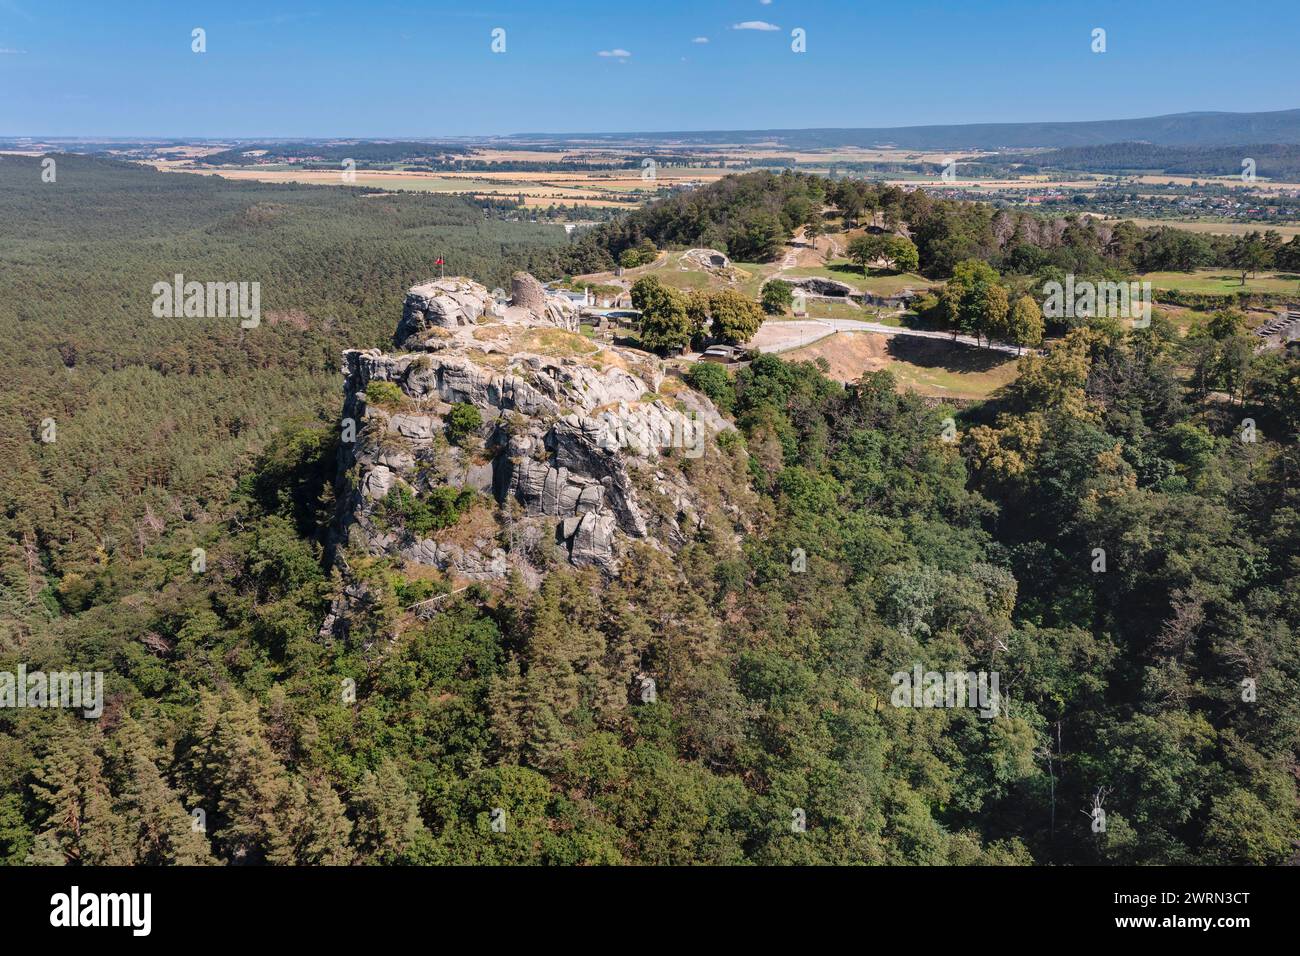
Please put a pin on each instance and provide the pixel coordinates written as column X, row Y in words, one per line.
column 932, row 367
column 558, row 342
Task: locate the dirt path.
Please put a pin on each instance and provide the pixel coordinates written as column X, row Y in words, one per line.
column 802, row 253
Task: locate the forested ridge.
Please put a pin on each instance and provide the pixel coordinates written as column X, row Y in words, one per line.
column 750, row 217
column 881, row 532
column 155, row 415
column 1191, row 129
column 1277, row 161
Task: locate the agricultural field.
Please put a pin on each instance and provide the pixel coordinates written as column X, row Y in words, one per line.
column 596, row 186
column 536, row 189
column 1215, row 227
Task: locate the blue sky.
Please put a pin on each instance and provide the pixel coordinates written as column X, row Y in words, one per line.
column 421, row 69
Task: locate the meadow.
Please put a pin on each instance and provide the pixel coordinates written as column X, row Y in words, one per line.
column 930, row 367
column 1223, row 281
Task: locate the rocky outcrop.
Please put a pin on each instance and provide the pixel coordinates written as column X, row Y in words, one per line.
column 441, row 304
column 827, row 288
column 568, row 447
column 709, row 259
column 456, row 303
column 527, row 293
column 530, row 302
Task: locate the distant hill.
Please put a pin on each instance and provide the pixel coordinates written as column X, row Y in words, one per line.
column 1177, row 129
column 1272, row 160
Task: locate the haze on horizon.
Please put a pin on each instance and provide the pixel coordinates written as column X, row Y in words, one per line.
column 407, row 69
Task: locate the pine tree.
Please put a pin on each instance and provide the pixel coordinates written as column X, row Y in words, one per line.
column 80, row 822
column 327, row 839
column 163, row 832
column 388, row 826
column 507, row 709
column 250, row 790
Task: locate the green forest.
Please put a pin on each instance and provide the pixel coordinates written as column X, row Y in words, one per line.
column 751, row 216
column 851, row 533
column 1276, row 161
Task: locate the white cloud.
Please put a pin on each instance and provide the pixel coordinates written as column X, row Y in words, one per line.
column 615, row 52
column 5, row 51
column 754, row 25
column 765, row 2
column 700, row 40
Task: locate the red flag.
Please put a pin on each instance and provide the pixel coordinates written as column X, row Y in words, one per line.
column 439, row 262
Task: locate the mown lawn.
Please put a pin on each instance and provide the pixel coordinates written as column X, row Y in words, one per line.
column 1223, row 281
column 932, row 367
column 879, row 281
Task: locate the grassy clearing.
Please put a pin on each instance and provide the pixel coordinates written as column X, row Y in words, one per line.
column 1223, row 282
column 668, row 269
column 879, row 281
column 557, row 342
column 931, row 367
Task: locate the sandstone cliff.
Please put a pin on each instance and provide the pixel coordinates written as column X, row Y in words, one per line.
column 576, row 451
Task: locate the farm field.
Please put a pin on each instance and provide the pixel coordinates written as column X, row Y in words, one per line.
column 1029, row 183
column 536, row 192
column 598, row 187
column 1264, row 187
column 699, row 165
column 1286, row 230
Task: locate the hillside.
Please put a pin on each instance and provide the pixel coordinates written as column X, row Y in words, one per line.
column 203, row 394
column 1271, row 160
column 416, row 572
column 1201, row 128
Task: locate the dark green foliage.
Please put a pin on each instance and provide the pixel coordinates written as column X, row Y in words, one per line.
column 462, row 421
column 748, row 216
column 642, row 255
column 734, row 317
column 839, row 540
column 380, row 392
column 437, row 508
column 777, row 296
column 713, row 381
column 1273, row 161
column 665, row 322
